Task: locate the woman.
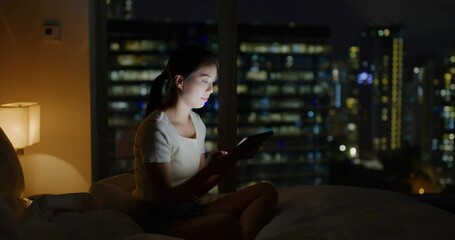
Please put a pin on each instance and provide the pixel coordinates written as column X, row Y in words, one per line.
column 170, row 167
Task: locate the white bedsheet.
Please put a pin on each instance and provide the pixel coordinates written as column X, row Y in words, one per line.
column 342, row 212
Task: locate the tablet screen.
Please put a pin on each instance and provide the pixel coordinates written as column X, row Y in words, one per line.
column 251, row 142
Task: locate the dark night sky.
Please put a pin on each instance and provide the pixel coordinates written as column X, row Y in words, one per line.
column 429, row 25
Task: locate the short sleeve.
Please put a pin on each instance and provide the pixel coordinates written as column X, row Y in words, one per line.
column 155, row 145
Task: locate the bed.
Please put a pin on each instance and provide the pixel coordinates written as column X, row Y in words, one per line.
column 304, row 212
column 344, row 212
column 326, row 212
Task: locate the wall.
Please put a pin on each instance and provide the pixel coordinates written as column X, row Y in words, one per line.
column 57, row 75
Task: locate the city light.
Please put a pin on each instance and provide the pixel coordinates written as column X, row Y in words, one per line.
column 353, row 152
column 365, row 78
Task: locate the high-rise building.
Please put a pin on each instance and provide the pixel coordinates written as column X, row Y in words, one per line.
column 380, row 80
column 430, row 122
column 443, row 139
column 284, row 84
column 418, row 103
column 346, row 104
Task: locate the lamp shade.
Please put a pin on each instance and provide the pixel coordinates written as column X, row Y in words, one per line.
column 21, row 123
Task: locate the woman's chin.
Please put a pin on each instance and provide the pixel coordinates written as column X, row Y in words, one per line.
column 204, row 103
column 198, row 106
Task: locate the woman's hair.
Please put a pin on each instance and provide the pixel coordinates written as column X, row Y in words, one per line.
column 184, row 61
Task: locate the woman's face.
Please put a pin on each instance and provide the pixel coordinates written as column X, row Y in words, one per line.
column 196, row 89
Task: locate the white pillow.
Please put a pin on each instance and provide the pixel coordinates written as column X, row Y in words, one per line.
column 113, row 197
column 125, row 181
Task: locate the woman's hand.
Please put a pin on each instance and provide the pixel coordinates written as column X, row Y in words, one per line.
column 215, row 155
column 252, row 153
column 220, row 161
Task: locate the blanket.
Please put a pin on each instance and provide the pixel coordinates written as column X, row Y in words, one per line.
column 343, row 212
column 78, row 216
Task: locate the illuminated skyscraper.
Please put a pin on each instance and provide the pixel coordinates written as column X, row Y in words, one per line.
column 443, row 139
column 351, row 101
column 417, row 114
column 379, row 82
column 284, row 84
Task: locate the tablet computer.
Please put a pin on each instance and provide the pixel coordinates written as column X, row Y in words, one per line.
column 251, row 142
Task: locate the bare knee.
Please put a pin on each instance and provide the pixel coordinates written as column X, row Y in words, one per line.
column 267, row 190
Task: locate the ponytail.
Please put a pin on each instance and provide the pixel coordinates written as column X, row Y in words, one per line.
column 155, row 99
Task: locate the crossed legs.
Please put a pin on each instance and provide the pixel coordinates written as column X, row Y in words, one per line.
column 238, row 215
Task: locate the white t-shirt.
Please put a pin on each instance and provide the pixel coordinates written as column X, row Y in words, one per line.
column 158, row 141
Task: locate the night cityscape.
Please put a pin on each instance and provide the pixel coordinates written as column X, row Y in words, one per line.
column 356, row 93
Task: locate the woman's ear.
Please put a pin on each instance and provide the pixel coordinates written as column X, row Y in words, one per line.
column 179, row 81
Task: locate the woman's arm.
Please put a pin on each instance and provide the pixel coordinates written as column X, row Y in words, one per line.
column 205, row 179
column 214, row 179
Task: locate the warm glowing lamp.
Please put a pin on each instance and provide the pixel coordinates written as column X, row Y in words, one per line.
column 21, row 123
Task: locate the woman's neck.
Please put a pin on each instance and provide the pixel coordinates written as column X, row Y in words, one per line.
column 181, row 120
column 178, row 114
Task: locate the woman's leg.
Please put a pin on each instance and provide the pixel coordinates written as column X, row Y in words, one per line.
column 254, row 206
column 216, row 226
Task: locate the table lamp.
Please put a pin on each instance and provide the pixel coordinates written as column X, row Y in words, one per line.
column 21, row 123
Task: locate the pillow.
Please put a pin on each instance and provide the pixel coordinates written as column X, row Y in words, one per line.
column 46, row 206
column 125, row 181
column 11, row 177
column 113, row 197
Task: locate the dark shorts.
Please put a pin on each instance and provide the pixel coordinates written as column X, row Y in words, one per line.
column 154, row 219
